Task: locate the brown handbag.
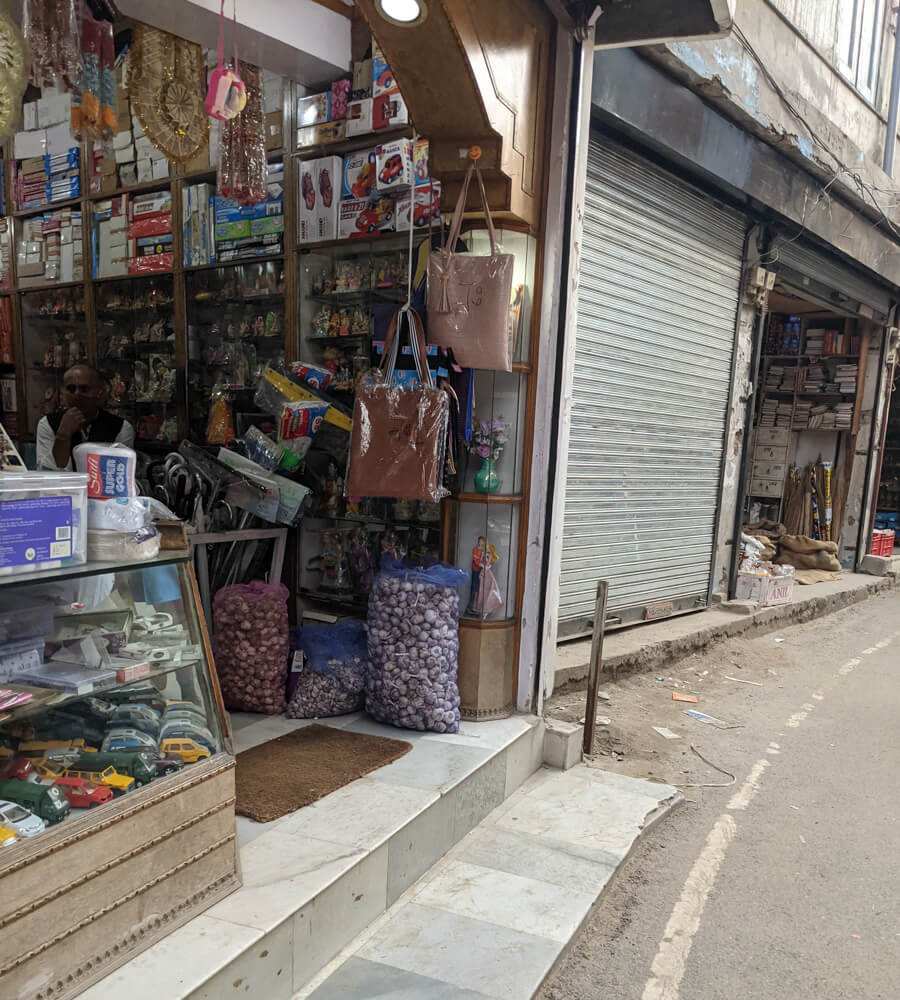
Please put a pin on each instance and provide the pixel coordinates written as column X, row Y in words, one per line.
column 469, row 297
column 399, row 438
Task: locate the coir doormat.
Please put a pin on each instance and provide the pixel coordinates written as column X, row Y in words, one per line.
column 277, row 777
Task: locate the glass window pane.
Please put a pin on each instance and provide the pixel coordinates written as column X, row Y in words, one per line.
column 500, row 403
column 487, row 548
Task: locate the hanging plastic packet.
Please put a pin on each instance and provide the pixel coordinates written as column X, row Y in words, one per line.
column 226, row 96
column 261, row 449
column 220, row 427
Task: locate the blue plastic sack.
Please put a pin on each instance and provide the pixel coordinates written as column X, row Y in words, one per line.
column 328, row 677
column 414, row 646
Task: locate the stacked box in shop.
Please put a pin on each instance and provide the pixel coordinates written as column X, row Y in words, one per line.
column 133, row 234
column 43, row 180
column 51, row 248
column 246, row 231
column 197, row 226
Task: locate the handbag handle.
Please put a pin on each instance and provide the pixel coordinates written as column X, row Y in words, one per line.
column 456, row 223
column 417, row 342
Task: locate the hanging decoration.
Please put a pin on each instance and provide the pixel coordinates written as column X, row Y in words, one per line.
column 94, row 107
column 165, row 85
column 12, row 74
column 242, row 151
column 226, row 96
column 51, row 33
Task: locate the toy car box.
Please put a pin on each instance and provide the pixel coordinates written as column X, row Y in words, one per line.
column 427, row 206
column 389, row 110
column 393, row 165
column 383, row 81
column 314, row 110
column 359, row 173
column 359, row 117
column 329, row 178
column 359, row 217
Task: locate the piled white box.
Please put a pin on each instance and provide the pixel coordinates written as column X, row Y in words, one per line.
column 110, row 243
column 51, row 248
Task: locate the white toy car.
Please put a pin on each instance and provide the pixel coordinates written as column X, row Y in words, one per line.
column 20, row 819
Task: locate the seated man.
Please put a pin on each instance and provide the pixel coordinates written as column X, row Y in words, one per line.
column 80, row 418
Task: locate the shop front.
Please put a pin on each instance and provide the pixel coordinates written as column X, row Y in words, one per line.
column 233, row 285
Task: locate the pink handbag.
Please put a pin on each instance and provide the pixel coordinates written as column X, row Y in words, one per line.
column 469, row 297
column 226, row 95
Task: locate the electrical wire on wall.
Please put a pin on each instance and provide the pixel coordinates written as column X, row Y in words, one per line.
column 866, row 190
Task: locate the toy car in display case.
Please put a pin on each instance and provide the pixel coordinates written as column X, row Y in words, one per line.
column 18, row 767
column 44, row 801
column 187, row 729
column 189, row 751
column 167, row 765
column 124, row 740
column 20, row 820
column 108, row 776
column 43, row 748
column 7, row 837
column 49, row 768
column 131, row 764
column 83, row 794
column 138, row 717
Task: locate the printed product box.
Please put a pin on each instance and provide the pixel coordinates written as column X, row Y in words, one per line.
column 359, row 174
column 340, row 94
column 359, row 117
column 314, row 110
column 420, row 162
column 389, row 110
column 43, row 520
column 320, row 135
column 427, row 206
column 383, row 81
column 393, row 165
column 362, row 79
column 308, row 205
column 359, row 217
column 329, row 178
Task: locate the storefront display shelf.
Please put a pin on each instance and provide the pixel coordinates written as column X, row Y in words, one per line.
column 50, row 206
column 93, row 569
column 356, row 244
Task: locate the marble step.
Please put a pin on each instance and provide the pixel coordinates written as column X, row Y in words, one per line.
column 490, row 919
column 316, row 878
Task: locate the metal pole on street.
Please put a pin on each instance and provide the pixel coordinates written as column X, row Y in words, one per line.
column 590, row 712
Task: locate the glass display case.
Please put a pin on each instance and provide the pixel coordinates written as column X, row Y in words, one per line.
column 116, row 772
column 136, row 351
column 54, row 337
column 106, row 686
column 235, row 327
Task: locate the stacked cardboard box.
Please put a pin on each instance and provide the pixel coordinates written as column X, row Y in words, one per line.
column 197, row 229
column 251, row 230
column 4, row 254
column 110, row 237
column 150, row 232
column 51, row 248
column 43, row 180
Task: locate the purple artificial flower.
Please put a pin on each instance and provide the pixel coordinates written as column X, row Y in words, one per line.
column 483, row 451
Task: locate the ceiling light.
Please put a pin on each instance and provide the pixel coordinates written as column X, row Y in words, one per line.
column 404, row 13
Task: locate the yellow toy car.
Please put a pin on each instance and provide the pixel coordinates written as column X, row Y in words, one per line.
column 109, row 776
column 40, row 748
column 7, row 836
column 187, row 750
column 49, row 769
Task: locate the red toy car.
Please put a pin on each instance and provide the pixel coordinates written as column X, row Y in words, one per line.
column 392, row 169
column 83, row 794
column 308, row 190
column 385, row 79
column 18, row 767
column 373, row 219
column 325, row 189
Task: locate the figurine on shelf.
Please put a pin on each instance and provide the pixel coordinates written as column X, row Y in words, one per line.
column 403, row 510
column 259, row 327
column 332, row 358
column 344, row 324
column 162, row 379
column 335, row 576
column 391, row 545
column 50, row 353
column 359, row 322
column 117, row 390
column 328, row 286
column 334, row 324
column 484, row 596
column 353, row 506
column 158, row 331
column 362, row 561
column 244, row 330
column 320, row 322
column 273, row 324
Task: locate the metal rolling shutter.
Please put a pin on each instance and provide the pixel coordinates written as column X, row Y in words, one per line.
column 659, row 288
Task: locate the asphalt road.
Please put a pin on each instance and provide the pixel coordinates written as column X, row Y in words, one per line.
column 786, row 885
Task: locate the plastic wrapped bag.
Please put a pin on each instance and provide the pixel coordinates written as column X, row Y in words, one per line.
column 332, row 676
column 413, row 646
column 250, row 641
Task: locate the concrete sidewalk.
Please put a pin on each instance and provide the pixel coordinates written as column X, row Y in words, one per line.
column 646, row 647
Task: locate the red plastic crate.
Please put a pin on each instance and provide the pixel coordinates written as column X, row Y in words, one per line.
column 882, row 542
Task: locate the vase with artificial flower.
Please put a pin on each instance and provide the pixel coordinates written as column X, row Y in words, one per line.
column 488, row 440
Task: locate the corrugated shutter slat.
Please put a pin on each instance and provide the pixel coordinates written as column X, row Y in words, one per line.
column 659, row 286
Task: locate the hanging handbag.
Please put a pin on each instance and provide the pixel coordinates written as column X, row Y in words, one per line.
column 226, row 95
column 469, row 297
column 399, row 437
